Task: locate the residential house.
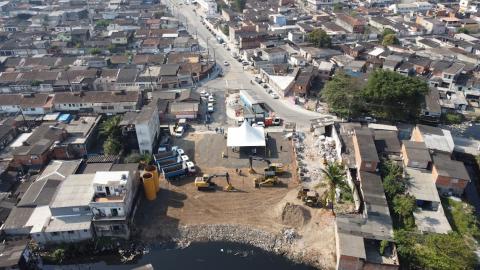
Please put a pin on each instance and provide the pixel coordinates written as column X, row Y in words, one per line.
column 366, row 157
column 416, row 155
column 71, row 219
column 98, row 101
column 8, row 132
column 436, row 139
column 113, row 203
column 450, row 176
column 274, row 55
column 429, row 215
column 358, row 237
column 81, row 134
column 37, row 149
column 387, row 143
column 351, row 24
column 431, row 110
column 411, row 7
column 303, row 82
column 147, row 128
column 27, row 104
column 16, row 254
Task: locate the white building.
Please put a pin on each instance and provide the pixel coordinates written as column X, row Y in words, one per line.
column 147, row 128
column 210, row 6
column 410, row 7
column 98, row 101
column 469, row 6
column 322, row 4
column 112, row 205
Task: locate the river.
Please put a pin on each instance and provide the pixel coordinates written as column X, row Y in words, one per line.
column 198, row 256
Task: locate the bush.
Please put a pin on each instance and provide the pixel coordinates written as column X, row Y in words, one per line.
column 453, row 118
column 59, row 255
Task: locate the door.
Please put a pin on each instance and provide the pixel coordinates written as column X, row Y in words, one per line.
column 107, row 190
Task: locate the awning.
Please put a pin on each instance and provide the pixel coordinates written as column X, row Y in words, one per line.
column 245, row 135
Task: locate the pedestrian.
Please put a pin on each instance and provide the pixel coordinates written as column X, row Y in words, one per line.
column 281, row 148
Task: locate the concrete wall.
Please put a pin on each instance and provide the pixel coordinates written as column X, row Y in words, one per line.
column 68, row 236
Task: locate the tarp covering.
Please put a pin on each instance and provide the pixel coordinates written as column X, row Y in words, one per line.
column 245, row 135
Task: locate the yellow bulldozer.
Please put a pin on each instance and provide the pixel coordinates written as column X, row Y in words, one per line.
column 204, row 183
column 309, row 197
column 264, row 181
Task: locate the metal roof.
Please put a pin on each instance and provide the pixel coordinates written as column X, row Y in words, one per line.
column 76, row 190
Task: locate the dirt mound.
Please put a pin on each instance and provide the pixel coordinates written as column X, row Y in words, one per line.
column 295, row 215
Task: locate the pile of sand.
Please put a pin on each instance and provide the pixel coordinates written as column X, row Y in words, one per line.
column 295, row 215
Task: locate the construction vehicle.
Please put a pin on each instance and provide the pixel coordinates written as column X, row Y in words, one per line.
column 309, row 197
column 272, row 169
column 204, row 183
column 264, row 181
column 178, row 170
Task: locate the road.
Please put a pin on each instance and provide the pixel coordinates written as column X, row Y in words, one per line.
column 234, row 75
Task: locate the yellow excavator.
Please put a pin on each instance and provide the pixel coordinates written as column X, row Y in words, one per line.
column 272, row 169
column 309, row 197
column 204, row 183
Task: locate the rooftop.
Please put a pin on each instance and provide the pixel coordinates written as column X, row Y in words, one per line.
column 450, row 168
column 436, row 138
column 432, row 221
column 366, row 144
column 69, row 223
column 11, row 252
column 76, row 190
column 417, row 151
column 421, row 185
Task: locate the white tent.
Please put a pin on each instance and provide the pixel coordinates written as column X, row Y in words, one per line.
column 245, row 135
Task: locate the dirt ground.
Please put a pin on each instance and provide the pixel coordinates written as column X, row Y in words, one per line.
column 180, row 203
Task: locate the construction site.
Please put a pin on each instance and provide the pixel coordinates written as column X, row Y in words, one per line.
column 245, row 194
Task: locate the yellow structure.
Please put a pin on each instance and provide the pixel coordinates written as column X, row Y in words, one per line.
column 149, row 186
column 153, row 170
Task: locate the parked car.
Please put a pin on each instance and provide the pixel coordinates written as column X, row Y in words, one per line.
column 211, row 99
column 274, row 95
column 265, row 86
column 210, row 108
column 277, row 121
column 225, row 63
column 260, row 124
column 179, row 131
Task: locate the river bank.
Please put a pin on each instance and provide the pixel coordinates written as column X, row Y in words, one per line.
column 287, row 243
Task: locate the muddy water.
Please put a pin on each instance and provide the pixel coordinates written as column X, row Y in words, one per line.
column 199, row 256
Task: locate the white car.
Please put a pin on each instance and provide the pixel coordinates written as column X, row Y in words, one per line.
column 211, row 99
column 225, row 63
column 179, row 131
column 274, row 95
column 203, row 93
column 210, row 108
column 260, row 124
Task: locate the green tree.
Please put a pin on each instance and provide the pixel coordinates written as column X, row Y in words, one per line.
column 240, row 5
column 225, row 30
column 59, row 255
column 95, row 51
column 158, row 15
column 102, row 23
column 334, row 173
column 111, row 127
column 390, row 39
column 343, row 95
column 337, row 7
column 434, row 251
column 112, row 146
column 393, row 181
column 393, row 96
column 463, row 30
column 388, row 31
column 320, row 39
column 403, row 206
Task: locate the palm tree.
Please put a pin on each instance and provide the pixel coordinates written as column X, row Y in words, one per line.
column 110, row 127
column 335, row 175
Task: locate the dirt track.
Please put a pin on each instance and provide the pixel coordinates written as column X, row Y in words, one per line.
column 180, row 204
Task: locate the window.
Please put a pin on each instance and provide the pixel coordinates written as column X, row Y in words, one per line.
column 368, row 165
column 87, row 208
column 116, row 228
column 76, row 209
column 454, row 181
column 71, row 232
column 99, row 188
column 114, row 212
column 55, row 233
column 85, row 230
column 127, row 107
